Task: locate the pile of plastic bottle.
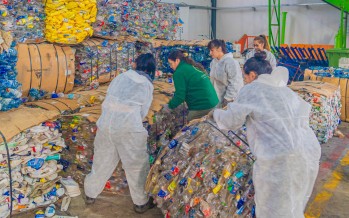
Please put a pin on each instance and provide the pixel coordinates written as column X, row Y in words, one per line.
column 325, row 113
column 35, row 164
column 164, row 128
column 200, row 54
column 331, row 72
column 79, row 135
column 24, row 18
column 142, row 19
column 204, row 172
column 10, row 88
column 69, row 21
column 109, row 58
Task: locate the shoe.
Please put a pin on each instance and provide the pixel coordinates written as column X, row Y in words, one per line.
column 89, row 200
column 143, row 208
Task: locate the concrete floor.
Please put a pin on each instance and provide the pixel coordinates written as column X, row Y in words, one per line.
column 330, row 197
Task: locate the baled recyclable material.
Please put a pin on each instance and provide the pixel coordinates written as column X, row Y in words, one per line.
column 325, row 100
column 141, row 19
column 10, row 88
column 69, row 21
column 204, row 172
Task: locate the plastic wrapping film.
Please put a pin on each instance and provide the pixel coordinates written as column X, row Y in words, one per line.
column 325, row 100
column 25, row 19
column 204, row 172
column 141, row 19
column 35, row 164
column 198, row 52
column 10, row 88
column 69, row 21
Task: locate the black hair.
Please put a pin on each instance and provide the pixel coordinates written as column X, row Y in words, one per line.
column 146, row 63
column 263, row 40
column 258, row 64
column 216, row 43
column 183, row 56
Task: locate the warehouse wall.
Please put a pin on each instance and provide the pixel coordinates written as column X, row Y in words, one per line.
column 198, row 26
column 313, row 24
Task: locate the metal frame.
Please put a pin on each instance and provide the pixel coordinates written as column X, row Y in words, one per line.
column 274, row 11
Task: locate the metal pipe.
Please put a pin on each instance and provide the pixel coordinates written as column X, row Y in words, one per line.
column 270, row 30
column 284, row 17
column 214, row 19
column 245, row 7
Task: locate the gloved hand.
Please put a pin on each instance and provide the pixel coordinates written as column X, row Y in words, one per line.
column 226, row 102
column 166, row 108
column 210, row 115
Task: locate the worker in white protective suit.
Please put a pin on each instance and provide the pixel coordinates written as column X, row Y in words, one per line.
column 121, row 135
column 260, row 43
column 225, row 74
column 286, row 149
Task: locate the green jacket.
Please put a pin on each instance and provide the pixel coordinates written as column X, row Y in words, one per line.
column 194, row 87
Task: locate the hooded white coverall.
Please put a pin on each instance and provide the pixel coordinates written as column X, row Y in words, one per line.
column 226, row 77
column 279, row 135
column 121, row 136
column 270, row 57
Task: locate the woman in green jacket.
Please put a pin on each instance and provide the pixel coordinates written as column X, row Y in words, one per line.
column 192, row 86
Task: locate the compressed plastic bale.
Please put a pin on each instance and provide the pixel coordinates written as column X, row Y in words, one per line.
column 45, row 68
column 35, row 166
column 102, row 60
column 25, row 19
column 69, row 21
column 168, row 21
column 204, row 172
column 325, row 100
column 10, row 88
column 142, row 19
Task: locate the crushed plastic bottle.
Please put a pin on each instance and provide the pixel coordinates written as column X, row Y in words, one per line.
column 142, row 19
column 69, row 21
column 204, row 173
column 10, row 88
column 35, row 178
column 25, row 19
column 102, row 60
column 325, row 99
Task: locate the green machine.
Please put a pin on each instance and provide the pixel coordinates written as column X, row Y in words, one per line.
column 340, row 51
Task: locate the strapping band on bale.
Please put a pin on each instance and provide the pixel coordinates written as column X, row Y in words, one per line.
column 51, row 105
column 31, row 69
column 233, row 143
column 91, row 61
column 63, row 103
column 41, row 75
column 67, row 69
column 97, row 58
column 57, row 67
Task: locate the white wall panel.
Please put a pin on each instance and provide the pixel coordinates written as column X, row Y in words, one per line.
column 313, row 24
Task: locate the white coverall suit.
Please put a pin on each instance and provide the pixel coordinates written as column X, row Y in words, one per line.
column 121, row 136
column 226, row 77
column 286, row 148
column 270, row 57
